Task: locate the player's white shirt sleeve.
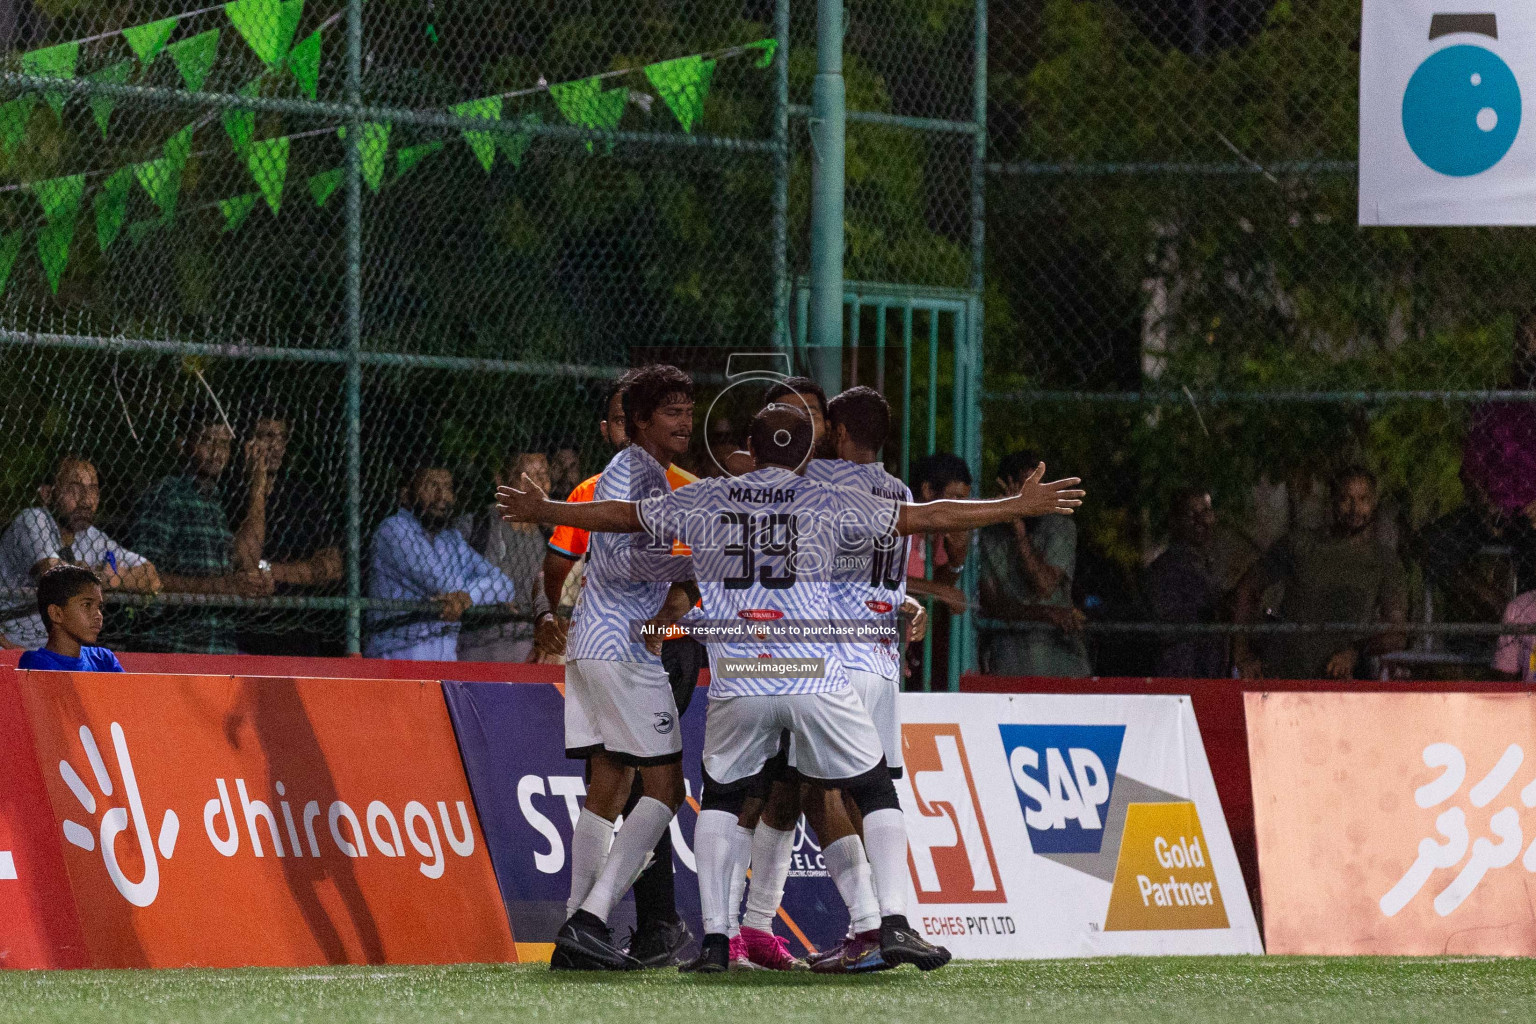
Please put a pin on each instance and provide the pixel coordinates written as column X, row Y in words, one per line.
column 627, row 574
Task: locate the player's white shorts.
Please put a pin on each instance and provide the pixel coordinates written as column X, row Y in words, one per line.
column 878, row 693
column 879, row 696
column 831, row 732
column 623, row 707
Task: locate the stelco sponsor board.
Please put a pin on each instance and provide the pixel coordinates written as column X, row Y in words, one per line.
column 218, row 821
column 1396, row 823
column 1052, row 826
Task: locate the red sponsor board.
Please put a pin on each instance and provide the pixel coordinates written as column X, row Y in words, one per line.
column 38, row 927
column 225, row 821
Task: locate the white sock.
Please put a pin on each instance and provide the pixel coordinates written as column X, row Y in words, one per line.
column 632, row 844
column 712, row 838
column 771, row 851
column 741, row 857
column 590, row 841
column 885, row 840
column 849, row 868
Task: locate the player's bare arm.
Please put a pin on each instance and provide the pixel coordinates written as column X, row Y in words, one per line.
column 532, row 505
column 1059, row 497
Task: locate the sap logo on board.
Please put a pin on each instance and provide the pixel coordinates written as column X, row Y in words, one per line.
column 1063, row 776
column 948, row 850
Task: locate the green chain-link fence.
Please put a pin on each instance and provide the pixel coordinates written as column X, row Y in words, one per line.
column 1179, row 295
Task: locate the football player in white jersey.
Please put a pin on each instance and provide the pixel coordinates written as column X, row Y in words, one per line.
column 762, row 547
column 620, row 713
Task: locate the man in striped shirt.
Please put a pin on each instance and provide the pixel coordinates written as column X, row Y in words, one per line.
column 762, row 548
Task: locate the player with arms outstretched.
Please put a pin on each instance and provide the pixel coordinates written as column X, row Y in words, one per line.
column 752, row 538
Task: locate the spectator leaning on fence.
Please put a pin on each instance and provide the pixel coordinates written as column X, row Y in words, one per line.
column 180, row 525
column 417, row 556
column 1182, row 587
column 69, row 599
column 285, row 530
column 1026, row 577
column 1340, row 575
column 61, row 530
column 517, row 549
column 1514, row 657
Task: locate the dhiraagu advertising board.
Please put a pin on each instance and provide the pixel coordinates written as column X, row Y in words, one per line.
column 1054, row 826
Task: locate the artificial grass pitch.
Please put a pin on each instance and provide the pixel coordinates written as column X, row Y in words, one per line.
column 1059, row 991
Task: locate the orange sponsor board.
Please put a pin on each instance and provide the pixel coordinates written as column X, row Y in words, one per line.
column 223, row 821
column 1396, row 823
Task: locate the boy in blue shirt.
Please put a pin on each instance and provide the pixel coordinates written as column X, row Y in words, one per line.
column 69, row 598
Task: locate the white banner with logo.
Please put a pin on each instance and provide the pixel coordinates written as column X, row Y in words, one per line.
column 1442, row 136
column 1057, row 826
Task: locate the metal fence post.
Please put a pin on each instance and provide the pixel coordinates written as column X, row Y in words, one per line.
column 969, row 409
column 354, row 384
column 828, row 136
column 781, row 177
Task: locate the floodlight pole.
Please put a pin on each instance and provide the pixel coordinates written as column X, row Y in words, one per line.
column 828, row 126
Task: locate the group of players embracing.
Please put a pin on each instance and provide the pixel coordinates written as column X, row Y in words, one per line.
column 809, row 530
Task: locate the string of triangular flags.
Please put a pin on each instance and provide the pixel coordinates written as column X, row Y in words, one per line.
column 266, row 26
column 681, row 83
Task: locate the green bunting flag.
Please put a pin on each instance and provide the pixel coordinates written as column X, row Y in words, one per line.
column 101, row 106
column 112, row 207
column 10, row 248
column 235, row 209
column 240, row 126
column 267, row 26
column 194, row 57
column 514, row 146
column 304, row 62
column 60, row 199
column 161, row 180
column 407, row 158
column 373, row 151
column 324, row 184
column 766, row 49
column 146, row 41
column 53, row 62
column 584, row 103
column 681, row 84
column 483, row 144
column 13, row 122
column 268, row 162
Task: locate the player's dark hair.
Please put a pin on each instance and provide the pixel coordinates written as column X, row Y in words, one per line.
column 414, row 471
column 865, row 414
column 650, row 388
column 64, row 460
column 780, row 436
column 941, row 469
column 1017, row 465
column 1348, row 473
column 801, row 386
column 61, row 583
column 611, row 390
column 196, row 417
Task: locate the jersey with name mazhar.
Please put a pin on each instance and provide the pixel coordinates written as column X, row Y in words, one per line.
column 626, row 576
column 764, row 545
column 868, row 585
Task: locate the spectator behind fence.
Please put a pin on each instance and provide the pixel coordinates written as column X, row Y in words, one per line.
column 1463, row 556
column 1026, row 576
column 180, row 525
column 61, row 530
column 940, row 475
column 1514, row 657
column 286, row 531
column 1341, row 575
column 517, row 549
column 1182, row 587
column 564, row 470
column 69, row 600
column 417, row 556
